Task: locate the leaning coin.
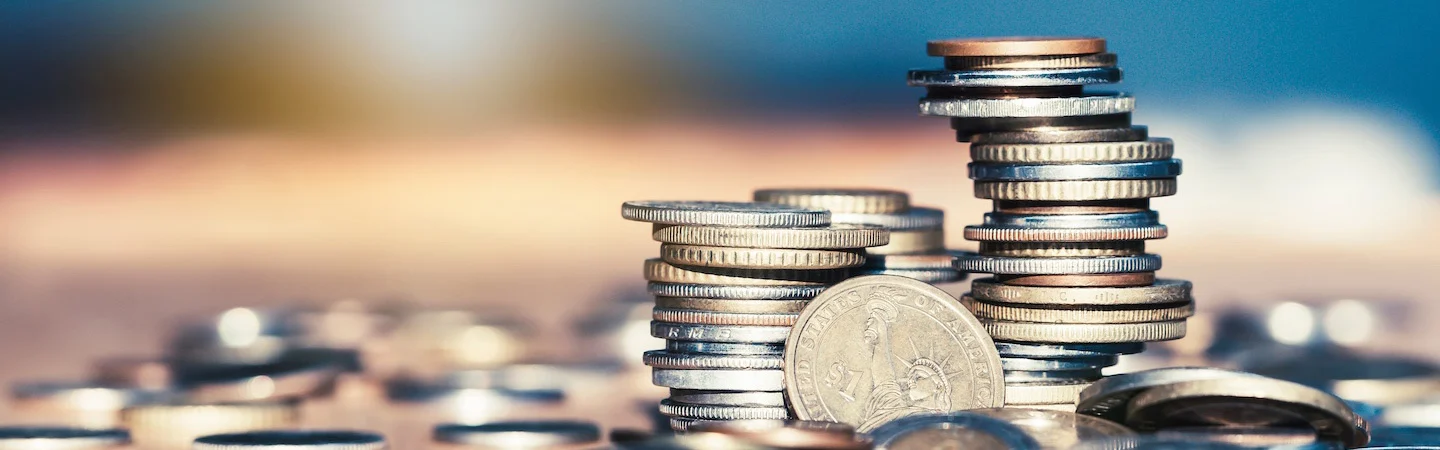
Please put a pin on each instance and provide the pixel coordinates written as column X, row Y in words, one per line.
column 1057, row 429
column 1085, row 333
column 1063, row 351
column 1043, row 314
column 760, row 258
column 62, row 438
column 1153, row 149
column 1075, row 190
column 1246, row 401
column 1162, row 292
column 839, row 200
column 732, row 306
column 1089, row 105
column 1110, row 398
column 958, row 430
column 658, row 270
column 1062, row 136
column 661, row 359
column 721, row 412
column 723, row 214
column 973, row 262
column 292, row 440
column 716, row 291
column 733, row 398
column 519, row 434
column 1043, row 393
column 833, row 236
column 829, row 379
column 720, row 380
column 719, row 333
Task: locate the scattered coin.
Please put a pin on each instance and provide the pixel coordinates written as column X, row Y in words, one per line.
column 62, row 438
column 1110, row 398
column 176, row 425
column 519, row 434
column 1246, row 401
column 292, row 440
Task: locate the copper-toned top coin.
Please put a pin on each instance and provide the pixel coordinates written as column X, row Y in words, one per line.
column 1016, row 46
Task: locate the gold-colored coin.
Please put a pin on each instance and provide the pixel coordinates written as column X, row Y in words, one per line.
column 1062, row 249
column 1074, row 333
column 657, row 269
column 760, row 258
column 175, row 426
column 833, row 236
column 1030, row 62
column 839, row 200
column 905, row 242
column 1016, row 46
column 1075, row 190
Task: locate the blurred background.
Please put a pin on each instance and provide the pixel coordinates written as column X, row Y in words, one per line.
column 168, row 160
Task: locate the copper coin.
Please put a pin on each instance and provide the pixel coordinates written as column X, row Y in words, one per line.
column 1016, row 46
column 1095, row 280
column 1066, row 208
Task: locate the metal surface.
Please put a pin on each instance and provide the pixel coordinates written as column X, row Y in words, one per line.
column 1015, row 77
column 957, row 430
column 971, row 262
column 724, row 214
column 838, row 235
column 1015, row 46
column 1090, row 105
column 1168, row 168
column 838, row 200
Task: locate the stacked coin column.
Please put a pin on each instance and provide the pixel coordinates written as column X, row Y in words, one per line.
column 1071, row 180
column 917, row 234
column 731, row 281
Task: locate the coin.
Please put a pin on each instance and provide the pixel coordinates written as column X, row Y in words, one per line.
column 828, row 237
column 721, row 412
column 932, row 276
column 925, row 240
column 1016, row 46
column 1057, row 429
column 1062, row 351
column 1266, row 437
column 722, row 318
column 657, row 269
column 1087, row 105
column 1017, row 394
column 719, row 333
column 62, row 438
column 1041, row 365
column 1051, row 376
column 1072, row 221
column 839, row 200
column 1110, row 398
column 1030, row 62
column 760, row 258
column 139, row 373
column 957, row 430
column 1163, row 291
column 734, row 398
column 1085, row 333
column 715, row 291
column 725, row 214
column 732, row 306
column 1165, row 168
column 1034, row 208
column 971, row 262
column 916, row 218
column 662, row 359
column 1075, row 190
column 1088, row 280
column 923, row 352
column 942, row 260
column 968, row 127
column 292, row 440
column 1156, row 313
column 720, row 380
column 1062, row 249
column 988, row 233
column 1061, row 136
column 1009, row 78
column 1247, row 401
column 519, row 434
column 724, row 348
column 176, row 425
column 1153, row 149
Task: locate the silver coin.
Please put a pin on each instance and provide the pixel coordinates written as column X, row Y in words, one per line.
column 1015, row 78
column 1161, row 292
column 723, row 214
column 932, row 276
column 724, row 348
column 734, row 292
column 721, row 412
column 1168, row 168
column 734, row 398
column 958, row 430
column 720, row 380
column 661, row 359
column 1062, row 136
column 519, row 434
column 971, row 262
column 1052, row 376
column 1061, row 351
column 968, row 127
column 1246, row 402
column 719, row 333
column 1115, row 220
column 61, row 438
column 1088, row 105
column 1057, row 429
column 292, row 440
column 1110, row 398
column 1153, row 149
column 1081, row 363
column 916, row 218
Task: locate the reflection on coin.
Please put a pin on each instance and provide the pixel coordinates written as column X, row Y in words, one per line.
column 732, row 306
column 1016, row 46
column 922, row 352
column 955, row 430
column 1153, row 442
column 1251, row 436
column 727, row 214
column 520, row 434
column 1110, row 398
column 1057, row 429
column 734, row 398
column 62, row 438
column 292, row 440
column 1050, row 314
column 839, row 200
column 1163, row 291
column 1247, row 401
column 1087, row 333
column 720, row 380
column 658, row 270
column 833, row 236
column 1062, row 351
column 721, row 412
column 1020, row 394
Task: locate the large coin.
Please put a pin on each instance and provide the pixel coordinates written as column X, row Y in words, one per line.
column 1110, row 398
column 875, row 348
column 1247, row 402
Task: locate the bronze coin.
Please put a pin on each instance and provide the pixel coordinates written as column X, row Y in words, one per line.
column 1016, row 46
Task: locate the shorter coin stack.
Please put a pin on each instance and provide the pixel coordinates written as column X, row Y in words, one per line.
column 731, row 281
column 917, row 234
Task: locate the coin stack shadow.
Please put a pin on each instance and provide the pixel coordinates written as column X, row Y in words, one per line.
column 917, row 234
column 1071, row 180
column 731, row 281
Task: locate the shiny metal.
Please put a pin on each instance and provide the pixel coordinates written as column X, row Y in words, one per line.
column 728, row 397
column 1154, row 149
column 933, row 276
column 725, row 214
column 1016, row 46
column 1067, row 221
column 662, row 359
column 672, row 408
column 734, row 292
column 1061, row 136
column 1062, row 351
column 957, row 430
column 720, row 380
column 292, row 440
column 1168, row 168
column 839, row 200
column 719, row 333
column 1110, row 398
column 1015, row 77
column 724, row 348
column 1088, row 105
column 1246, row 402
column 1051, row 376
column 519, row 434
column 1030, row 62
column 915, row 218
column 1041, row 365
column 1057, row 429
column 971, row 262
column 966, row 128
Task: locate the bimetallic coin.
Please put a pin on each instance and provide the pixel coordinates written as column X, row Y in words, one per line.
column 721, row 412
column 62, row 438
column 957, row 430
column 1008, row 234
column 1089, row 105
column 1057, row 429
column 1085, row 333
column 720, row 380
column 292, row 440
column 723, row 348
column 1062, row 351
column 1030, row 62
column 1075, row 190
column 925, row 240
column 1019, row 77
column 839, row 200
column 1018, row 394
column 715, row 291
column 1162, row 292
column 658, row 270
column 760, row 258
column 971, row 262
column 723, row 214
column 1154, row 149
column 1016, row 46
column 917, row 218
column 829, row 237
column 1153, row 313
column 1042, row 365
column 733, row 398
column 1062, row 136
column 719, row 333
column 520, row 434
column 1132, row 279
column 1247, row 401
column 661, row 359
column 932, row 276
column 922, row 352
column 1110, row 398
column 721, row 318
column 1062, row 249
column 1165, row 168
column 732, row 306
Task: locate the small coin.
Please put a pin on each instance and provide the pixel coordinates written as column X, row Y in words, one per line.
column 828, row 237
column 916, row 218
column 1062, row 249
column 723, row 214
column 952, row 364
column 657, row 269
column 933, row 276
column 1075, row 190
column 723, row 348
column 61, row 438
column 733, row 398
column 1085, row 333
column 1095, row 104
column 721, row 412
column 971, row 262
column 719, row 333
column 1165, row 168
column 1061, row 136
column 986, row 233
column 1016, row 46
column 1030, row 62
column 1073, row 221
column 1089, row 280
column 1247, row 401
column 925, row 240
column 839, row 200
column 957, row 430
column 760, row 258
column 1057, row 429
column 1062, row 351
column 1051, row 376
column 715, row 291
column 1110, row 398
column 519, row 434
column 1154, row 149
column 720, row 380
column 661, row 359
column 1015, row 78
column 1156, row 313
column 1043, row 393
column 940, row 260
column 732, row 306
column 1043, row 365
column 1163, row 291
column 722, row 318
column 292, row 440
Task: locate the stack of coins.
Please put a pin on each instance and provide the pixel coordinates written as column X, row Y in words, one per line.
column 731, row 281
column 917, row 234
column 1071, row 181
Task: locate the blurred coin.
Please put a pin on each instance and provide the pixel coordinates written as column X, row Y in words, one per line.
column 1254, row 437
column 786, row 434
column 838, row 200
column 1416, row 413
column 923, row 353
column 692, row 441
column 915, row 218
column 1056, row 429
column 958, row 430
column 1110, row 398
column 731, row 214
column 291, row 377
column 1246, row 401
column 924, row 240
column 1015, row 46
column 519, row 434
column 293, row 440
column 1377, row 379
column 62, row 438
column 176, row 425
column 442, row 340
column 760, row 258
column 79, row 404
column 138, row 373
column 1163, row 291
column 833, row 236
column 720, row 380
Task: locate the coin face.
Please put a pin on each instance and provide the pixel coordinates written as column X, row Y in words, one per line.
column 875, row 348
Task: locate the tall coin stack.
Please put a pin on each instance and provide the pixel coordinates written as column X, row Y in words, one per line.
column 917, row 234
column 1071, row 181
column 731, row 281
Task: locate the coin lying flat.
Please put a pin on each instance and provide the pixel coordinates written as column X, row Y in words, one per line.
column 657, row 269
column 722, row 318
column 1057, row 429
column 957, row 430
column 972, row 262
column 1016, row 46
column 723, row 214
column 1052, row 376
column 922, row 352
column 1247, row 401
column 1074, row 152
column 1131, row 279
column 1163, row 291
column 62, row 438
column 732, row 306
column 292, row 440
column 720, row 380
column 1063, row 351
column 1154, row 313
column 941, row 260
column 1062, row 249
column 1075, row 190
column 176, row 425
column 1085, row 333
column 1110, row 398
column 1088, row 105
column 716, row 291
column 1030, row 62
column 1062, row 136
column 916, row 218
column 662, row 359
column 745, row 334
column 1041, row 365
column 991, row 233
column 839, row 200
column 723, row 348
column 1020, row 394
column 832, row 236
column 1165, row 168
column 1286, row 437
column 1015, row 78
column 932, row 276
column 721, row 412
column 519, row 434
column 760, row 258
column 925, row 240
column 733, row 398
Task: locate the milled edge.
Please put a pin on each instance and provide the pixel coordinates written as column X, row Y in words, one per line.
column 970, row 262
column 1090, row 105
column 1154, row 149
column 1076, row 190
column 1085, row 333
